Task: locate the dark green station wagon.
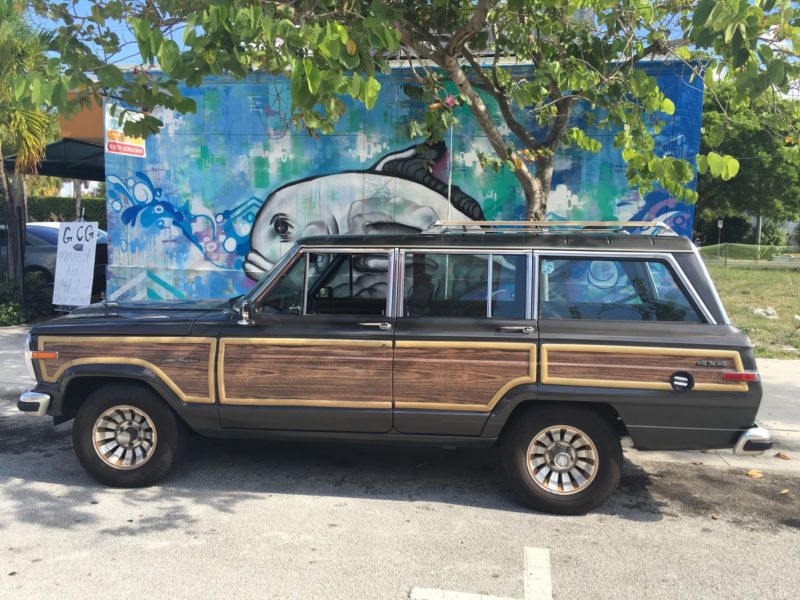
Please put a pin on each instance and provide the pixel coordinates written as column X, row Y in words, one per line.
column 553, row 340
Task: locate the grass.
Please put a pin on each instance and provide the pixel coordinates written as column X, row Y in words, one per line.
column 742, row 290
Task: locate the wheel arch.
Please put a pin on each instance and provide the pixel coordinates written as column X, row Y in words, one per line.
column 80, row 381
column 521, row 401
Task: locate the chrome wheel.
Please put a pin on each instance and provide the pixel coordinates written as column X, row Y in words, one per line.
column 562, row 460
column 124, row 437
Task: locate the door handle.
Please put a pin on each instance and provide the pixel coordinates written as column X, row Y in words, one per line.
column 526, row 329
column 381, row 326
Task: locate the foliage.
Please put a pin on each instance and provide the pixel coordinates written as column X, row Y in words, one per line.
column 43, row 185
column 24, row 126
column 796, row 235
column 735, row 229
column 742, row 290
column 772, row 234
column 38, row 295
column 769, row 184
column 59, row 208
column 465, row 53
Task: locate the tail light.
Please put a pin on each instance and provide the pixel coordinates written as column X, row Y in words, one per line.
column 750, row 376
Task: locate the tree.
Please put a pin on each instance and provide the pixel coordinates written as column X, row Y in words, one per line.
column 769, row 185
column 23, row 126
column 536, row 59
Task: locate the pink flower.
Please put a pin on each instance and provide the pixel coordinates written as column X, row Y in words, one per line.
column 450, row 101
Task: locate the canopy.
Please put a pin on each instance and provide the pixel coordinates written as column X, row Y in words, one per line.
column 71, row 159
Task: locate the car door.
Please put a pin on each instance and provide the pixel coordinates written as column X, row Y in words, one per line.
column 318, row 354
column 464, row 337
column 629, row 329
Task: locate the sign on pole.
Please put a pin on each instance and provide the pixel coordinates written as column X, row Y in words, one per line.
column 75, row 264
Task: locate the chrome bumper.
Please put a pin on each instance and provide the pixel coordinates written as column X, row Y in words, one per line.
column 34, row 404
column 753, row 441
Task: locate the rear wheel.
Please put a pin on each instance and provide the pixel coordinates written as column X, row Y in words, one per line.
column 564, row 460
column 126, row 436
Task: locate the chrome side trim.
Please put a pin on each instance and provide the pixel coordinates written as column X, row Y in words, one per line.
column 676, row 269
column 43, row 400
column 535, row 284
column 757, row 434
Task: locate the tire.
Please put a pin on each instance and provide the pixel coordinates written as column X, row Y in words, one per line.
column 561, row 460
column 137, row 427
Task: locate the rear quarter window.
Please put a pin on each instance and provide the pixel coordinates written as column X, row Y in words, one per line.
column 613, row 290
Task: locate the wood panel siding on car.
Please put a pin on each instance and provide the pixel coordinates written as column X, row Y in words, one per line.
column 306, row 372
column 637, row 367
column 185, row 364
column 470, row 376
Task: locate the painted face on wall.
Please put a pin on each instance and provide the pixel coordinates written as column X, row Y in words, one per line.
column 399, row 194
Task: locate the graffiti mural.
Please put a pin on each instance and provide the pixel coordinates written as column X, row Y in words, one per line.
column 223, row 193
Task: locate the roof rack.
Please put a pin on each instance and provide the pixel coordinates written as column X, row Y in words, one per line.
column 654, row 227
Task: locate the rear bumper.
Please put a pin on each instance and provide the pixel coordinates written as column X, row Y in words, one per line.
column 33, row 403
column 753, row 441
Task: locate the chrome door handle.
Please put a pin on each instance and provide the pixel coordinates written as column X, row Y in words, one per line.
column 526, row 329
column 381, row 326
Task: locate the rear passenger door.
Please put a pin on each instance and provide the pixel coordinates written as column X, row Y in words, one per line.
column 628, row 329
column 464, row 336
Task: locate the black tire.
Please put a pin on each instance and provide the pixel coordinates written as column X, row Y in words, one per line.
column 169, row 435
column 608, row 467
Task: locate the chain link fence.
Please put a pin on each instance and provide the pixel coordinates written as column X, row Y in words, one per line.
column 752, row 256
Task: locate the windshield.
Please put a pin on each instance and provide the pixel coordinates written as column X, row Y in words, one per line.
column 255, row 291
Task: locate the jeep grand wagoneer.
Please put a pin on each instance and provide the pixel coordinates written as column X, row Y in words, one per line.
column 553, row 340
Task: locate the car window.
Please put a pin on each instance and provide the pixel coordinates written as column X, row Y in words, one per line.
column 47, row 234
column 347, row 283
column 457, row 285
column 612, row 289
column 286, row 294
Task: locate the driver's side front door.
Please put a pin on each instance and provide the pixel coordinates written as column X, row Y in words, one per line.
column 318, row 356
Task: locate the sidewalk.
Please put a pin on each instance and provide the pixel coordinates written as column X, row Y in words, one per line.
column 14, row 377
column 780, row 409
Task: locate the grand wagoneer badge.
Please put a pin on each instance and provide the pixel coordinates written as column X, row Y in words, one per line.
column 177, row 360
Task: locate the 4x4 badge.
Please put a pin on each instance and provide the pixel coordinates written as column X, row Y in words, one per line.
column 712, row 363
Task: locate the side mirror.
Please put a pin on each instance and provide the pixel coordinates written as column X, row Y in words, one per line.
column 245, row 312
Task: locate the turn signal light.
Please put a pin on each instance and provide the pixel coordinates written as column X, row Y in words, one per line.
column 38, row 355
column 740, row 376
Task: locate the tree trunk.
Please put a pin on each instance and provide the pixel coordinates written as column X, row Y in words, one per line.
column 16, row 226
column 535, row 192
column 78, row 184
column 759, row 223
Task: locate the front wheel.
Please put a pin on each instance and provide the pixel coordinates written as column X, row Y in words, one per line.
column 126, row 436
column 562, row 460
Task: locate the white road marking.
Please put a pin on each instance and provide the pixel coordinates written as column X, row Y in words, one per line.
column 537, row 582
column 538, row 585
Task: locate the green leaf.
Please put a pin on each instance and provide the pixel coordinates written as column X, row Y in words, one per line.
column 372, row 90
column 313, row 75
column 777, row 71
column 730, row 167
column 715, row 163
column 668, row 106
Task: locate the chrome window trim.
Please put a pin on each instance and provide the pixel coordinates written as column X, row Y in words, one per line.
column 489, row 286
column 533, row 285
column 263, row 288
column 676, row 269
column 490, row 251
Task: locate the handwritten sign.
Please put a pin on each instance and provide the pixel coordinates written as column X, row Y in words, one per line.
column 77, row 243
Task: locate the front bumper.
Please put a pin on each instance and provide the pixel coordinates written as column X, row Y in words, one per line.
column 33, row 403
column 753, row 441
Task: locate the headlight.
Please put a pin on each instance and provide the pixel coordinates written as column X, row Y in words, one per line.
column 28, row 359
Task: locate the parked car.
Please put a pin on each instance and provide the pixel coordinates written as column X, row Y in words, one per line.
column 550, row 342
column 41, row 250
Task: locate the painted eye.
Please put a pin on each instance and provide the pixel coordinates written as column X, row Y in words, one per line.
column 282, row 226
column 158, row 210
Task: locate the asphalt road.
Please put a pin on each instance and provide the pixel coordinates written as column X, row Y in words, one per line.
column 290, row 520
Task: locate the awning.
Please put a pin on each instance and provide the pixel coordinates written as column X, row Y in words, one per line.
column 71, row 159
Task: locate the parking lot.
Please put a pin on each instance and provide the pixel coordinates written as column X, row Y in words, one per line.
column 302, row 520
